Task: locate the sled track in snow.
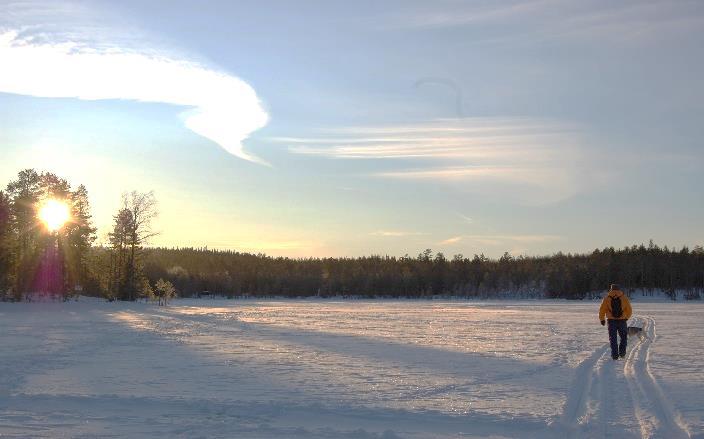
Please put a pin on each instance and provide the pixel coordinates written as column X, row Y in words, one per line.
column 656, row 415
column 576, row 409
column 590, row 408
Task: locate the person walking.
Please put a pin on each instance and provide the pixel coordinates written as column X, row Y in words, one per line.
column 617, row 309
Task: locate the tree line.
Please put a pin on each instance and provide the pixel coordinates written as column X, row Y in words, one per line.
column 127, row 269
column 679, row 273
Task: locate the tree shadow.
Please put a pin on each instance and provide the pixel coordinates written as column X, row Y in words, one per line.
column 167, row 384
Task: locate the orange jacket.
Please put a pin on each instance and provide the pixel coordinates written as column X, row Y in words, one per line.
column 605, row 308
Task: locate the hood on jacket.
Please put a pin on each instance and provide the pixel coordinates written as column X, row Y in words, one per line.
column 615, row 293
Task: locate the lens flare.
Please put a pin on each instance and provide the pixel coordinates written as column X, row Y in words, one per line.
column 54, row 214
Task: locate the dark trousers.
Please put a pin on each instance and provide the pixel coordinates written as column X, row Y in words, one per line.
column 620, row 327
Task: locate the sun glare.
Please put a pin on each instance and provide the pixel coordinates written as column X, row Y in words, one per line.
column 54, row 214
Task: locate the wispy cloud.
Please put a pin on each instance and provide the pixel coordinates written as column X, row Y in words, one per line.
column 475, row 138
column 499, row 240
column 429, row 16
column 465, row 218
column 394, row 233
column 219, row 106
column 540, row 155
column 450, row 241
column 628, row 20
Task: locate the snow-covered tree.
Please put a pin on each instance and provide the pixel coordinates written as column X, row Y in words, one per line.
column 164, row 291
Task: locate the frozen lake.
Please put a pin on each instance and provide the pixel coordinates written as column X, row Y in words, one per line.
column 346, row 369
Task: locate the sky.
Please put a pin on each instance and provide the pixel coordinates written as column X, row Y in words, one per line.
column 336, row 128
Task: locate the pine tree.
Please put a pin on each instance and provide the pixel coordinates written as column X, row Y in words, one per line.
column 5, row 247
column 80, row 237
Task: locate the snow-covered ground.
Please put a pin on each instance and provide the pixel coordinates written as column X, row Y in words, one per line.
column 346, row 369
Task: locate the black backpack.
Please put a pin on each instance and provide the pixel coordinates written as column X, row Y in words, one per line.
column 616, row 309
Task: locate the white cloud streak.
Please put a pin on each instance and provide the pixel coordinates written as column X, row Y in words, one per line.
column 220, row 107
column 394, row 233
column 465, row 218
column 429, row 16
column 499, row 240
column 534, row 155
column 451, row 241
column 629, row 20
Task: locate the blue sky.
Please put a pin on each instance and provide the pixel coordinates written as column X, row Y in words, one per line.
column 349, row 128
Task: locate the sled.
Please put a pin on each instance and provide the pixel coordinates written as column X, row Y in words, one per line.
column 635, row 326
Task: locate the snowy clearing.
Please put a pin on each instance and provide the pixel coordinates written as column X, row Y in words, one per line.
column 347, row 369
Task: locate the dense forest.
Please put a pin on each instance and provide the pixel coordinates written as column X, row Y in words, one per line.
column 574, row 276
column 64, row 262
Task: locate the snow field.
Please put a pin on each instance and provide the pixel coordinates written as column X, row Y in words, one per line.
column 327, row 369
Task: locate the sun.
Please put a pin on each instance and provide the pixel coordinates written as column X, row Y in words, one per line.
column 54, row 214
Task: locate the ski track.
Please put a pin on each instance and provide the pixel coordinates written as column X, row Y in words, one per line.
column 577, row 403
column 591, row 410
column 656, row 415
